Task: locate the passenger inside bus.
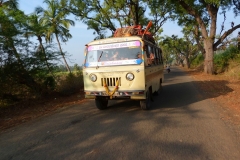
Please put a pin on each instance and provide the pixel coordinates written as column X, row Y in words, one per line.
column 115, row 56
column 150, row 59
column 123, row 58
column 139, row 56
column 105, row 57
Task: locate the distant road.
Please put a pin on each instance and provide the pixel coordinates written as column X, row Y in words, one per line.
column 181, row 125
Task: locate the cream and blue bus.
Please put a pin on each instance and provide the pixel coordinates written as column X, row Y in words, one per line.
column 127, row 67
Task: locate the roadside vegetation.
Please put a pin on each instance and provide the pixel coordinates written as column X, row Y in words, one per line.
column 227, row 62
column 31, row 51
column 62, row 84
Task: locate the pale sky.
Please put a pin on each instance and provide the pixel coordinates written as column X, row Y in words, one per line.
column 81, row 35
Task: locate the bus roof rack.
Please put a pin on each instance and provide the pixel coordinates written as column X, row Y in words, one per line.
column 135, row 30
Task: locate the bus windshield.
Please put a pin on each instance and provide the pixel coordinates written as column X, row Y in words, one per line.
column 123, row 53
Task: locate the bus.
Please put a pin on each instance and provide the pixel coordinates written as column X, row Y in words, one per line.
column 128, row 65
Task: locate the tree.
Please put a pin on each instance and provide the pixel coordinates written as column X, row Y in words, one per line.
column 7, row 28
column 10, row 4
column 111, row 14
column 192, row 29
column 183, row 49
column 203, row 10
column 12, row 26
column 102, row 17
column 169, row 50
column 236, row 9
column 35, row 28
column 55, row 18
column 160, row 12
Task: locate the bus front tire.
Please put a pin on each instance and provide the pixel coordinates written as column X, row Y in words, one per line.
column 101, row 103
column 146, row 104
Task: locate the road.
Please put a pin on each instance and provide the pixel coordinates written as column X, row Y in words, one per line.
column 182, row 124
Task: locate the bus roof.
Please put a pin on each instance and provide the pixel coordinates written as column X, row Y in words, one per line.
column 129, row 33
column 115, row 40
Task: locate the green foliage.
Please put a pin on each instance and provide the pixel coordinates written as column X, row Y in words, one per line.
column 221, row 60
column 57, row 23
column 236, row 8
column 76, row 68
column 105, row 16
column 71, row 84
column 197, row 61
column 27, row 68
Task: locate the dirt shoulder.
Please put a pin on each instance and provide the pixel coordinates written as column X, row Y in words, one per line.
column 223, row 91
column 29, row 110
column 220, row 89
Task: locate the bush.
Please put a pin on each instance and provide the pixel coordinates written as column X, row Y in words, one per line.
column 49, row 83
column 221, row 60
column 197, row 61
column 70, row 84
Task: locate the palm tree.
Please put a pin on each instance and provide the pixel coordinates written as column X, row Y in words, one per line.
column 6, row 6
column 55, row 18
column 10, row 27
column 7, row 28
column 37, row 29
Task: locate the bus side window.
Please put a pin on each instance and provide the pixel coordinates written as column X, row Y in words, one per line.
column 150, row 51
column 160, row 54
column 150, row 56
column 153, row 56
column 147, row 55
column 147, row 51
column 156, row 56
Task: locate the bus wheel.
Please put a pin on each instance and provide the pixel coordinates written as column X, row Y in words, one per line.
column 146, row 104
column 101, row 103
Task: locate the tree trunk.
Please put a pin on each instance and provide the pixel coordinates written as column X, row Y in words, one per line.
column 208, row 62
column 197, row 38
column 45, row 56
column 68, row 68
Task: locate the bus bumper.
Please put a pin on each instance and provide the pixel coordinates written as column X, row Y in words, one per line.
column 118, row 95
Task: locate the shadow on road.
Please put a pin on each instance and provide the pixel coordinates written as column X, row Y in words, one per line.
column 123, row 131
column 178, row 95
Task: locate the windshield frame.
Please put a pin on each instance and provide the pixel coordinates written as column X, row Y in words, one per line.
column 95, row 54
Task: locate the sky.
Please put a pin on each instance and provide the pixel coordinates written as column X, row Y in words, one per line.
column 81, row 35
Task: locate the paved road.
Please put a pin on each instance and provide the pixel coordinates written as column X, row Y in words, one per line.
column 181, row 125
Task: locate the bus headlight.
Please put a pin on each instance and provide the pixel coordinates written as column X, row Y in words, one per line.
column 93, row 77
column 129, row 76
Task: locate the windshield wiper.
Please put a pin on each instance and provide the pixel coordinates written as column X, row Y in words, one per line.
column 99, row 59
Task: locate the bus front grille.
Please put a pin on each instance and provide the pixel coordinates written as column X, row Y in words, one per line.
column 112, row 81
